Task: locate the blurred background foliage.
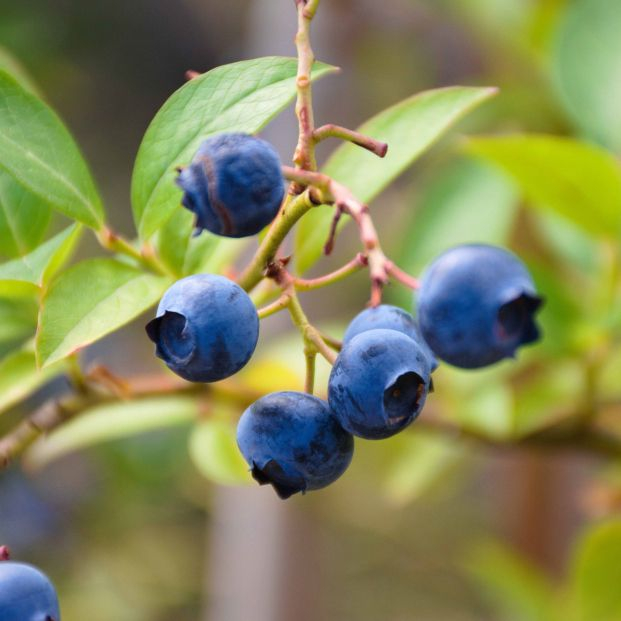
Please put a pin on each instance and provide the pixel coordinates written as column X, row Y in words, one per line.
column 131, row 508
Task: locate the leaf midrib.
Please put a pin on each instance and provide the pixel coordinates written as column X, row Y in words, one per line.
column 63, row 180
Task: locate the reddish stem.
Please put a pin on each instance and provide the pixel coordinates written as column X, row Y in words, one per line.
column 5, row 553
column 366, row 142
column 403, row 277
column 307, row 284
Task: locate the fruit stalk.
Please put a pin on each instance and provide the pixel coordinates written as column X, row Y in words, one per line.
column 324, row 189
column 353, row 266
column 289, row 214
column 311, row 356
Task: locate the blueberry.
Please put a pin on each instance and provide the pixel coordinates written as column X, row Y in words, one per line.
column 476, row 305
column 234, row 185
column 206, row 328
column 390, row 318
column 379, row 383
column 26, row 594
column 293, row 441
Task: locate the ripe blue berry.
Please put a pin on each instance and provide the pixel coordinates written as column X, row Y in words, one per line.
column 206, row 328
column 476, row 305
column 293, row 441
column 379, row 383
column 388, row 317
column 26, row 594
column 234, row 185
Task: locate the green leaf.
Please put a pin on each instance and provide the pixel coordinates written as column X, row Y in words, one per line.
column 410, row 127
column 90, row 300
column 213, row 449
column 173, row 239
column 566, row 306
column 206, row 254
column 517, row 590
column 586, row 67
column 24, row 218
column 418, row 461
column 240, row 97
column 570, row 243
column 38, row 266
column 548, row 396
column 467, row 202
column 596, row 574
column 577, row 180
column 38, row 151
column 112, row 422
column 486, row 406
column 19, row 376
column 18, row 320
column 13, row 67
column 186, row 254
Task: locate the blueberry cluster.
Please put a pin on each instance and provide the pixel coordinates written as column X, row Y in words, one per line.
column 475, row 306
column 26, row 594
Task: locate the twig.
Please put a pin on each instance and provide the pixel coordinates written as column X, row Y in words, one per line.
column 55, row 412
column 114, row 242
column 289, row 214
column 332, row 192
column 334, row 227
column 330, row 341
column 312, row 337
column 562, row 437
column 304, row 156
column 308, row 284
column 309, row 382
column 336, row 131
column 276, row 306
column 403, row 277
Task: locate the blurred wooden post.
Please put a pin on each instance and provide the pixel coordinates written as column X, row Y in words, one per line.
column 262, row 556
column 245, row 544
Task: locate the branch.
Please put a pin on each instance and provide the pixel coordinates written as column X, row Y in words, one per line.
column 308, row 284
column 331, row 192
column 563, row 437
column 309, row 383
column 304, row 156
column 289, row 214
column 55, row 412
column 114, row 242
column 403, row 277
column 336, row 131
column 276, row 306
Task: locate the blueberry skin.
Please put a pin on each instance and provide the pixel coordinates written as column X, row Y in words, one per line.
column 206, row 328
column 476, row 305
column 388, row 317
column 293, row 441
column 234, row 185
column 26, row 594
column 379, row 383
